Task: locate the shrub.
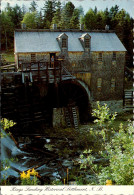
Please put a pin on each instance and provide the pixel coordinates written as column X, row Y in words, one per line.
column 116, row 151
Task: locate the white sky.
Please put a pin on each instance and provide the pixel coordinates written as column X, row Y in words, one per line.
column 128, row 5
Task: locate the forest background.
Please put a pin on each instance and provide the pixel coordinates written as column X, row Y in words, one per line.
column 66, row 16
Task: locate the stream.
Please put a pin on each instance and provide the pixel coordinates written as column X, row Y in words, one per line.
column 36, row 152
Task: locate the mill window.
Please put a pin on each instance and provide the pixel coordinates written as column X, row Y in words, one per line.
column 86, row 43
column 100, row 57
column 114, row 56
column 33, row 57
column 64, row 42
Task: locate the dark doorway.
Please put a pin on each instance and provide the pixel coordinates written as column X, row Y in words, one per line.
column 52, row 59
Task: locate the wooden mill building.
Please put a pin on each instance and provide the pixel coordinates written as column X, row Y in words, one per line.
column 96, row 58
column 60, row 74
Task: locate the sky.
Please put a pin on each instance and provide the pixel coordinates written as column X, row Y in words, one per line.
column 128, row 5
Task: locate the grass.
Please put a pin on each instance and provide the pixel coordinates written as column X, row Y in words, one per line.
column 8, row 56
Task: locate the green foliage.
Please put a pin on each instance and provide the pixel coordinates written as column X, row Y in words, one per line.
column 66, row 15
column 49, row 10
column 103, row 115
column 6, row 124
column 9, row 56
column 33, row 7
column 74, row 22
column 5, row 164
column 31, row 20
column 7, row 28
column 116, row 152
column 57, row 16
column 57, row 182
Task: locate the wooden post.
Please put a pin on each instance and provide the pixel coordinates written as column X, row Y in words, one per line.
column 123, row 98
column 60, row 72
column 21, row 67
column 132, row 98
column 30, row 66
column 47, row 73
column 54, row 76
column 38, row 70
column 67, row 175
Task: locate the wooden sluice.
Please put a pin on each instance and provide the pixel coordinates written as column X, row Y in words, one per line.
column 24, row 91
column 41, row 71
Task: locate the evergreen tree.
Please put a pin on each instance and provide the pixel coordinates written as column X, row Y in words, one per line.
column 66, row 15
column 23, row 10
column 15, row 13
column 49, row 10
column 7, row 28
column 95, row 10
column 74, row 22
column 57, row 15
column 107, row 19
column 89, row 20
column 40, row 21
column 33, row 7
column 99, row 21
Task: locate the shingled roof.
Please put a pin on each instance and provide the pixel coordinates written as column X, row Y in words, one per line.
column 46, row 41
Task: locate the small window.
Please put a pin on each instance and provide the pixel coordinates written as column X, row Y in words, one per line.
column 99, row 83
column 100, row 57
column 86, row 43
column 64, row 42
column 114, row 56
column 33, row 57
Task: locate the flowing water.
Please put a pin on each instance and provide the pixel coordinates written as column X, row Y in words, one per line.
column 37, row 152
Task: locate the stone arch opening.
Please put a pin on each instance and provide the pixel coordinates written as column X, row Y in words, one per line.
column 72, row 91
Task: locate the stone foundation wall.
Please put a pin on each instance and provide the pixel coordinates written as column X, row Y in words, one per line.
column 107, row 70
column 59, row 117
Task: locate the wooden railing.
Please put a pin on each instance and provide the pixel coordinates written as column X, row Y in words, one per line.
column 44, row 70
column 39, row 71
column 8, row 68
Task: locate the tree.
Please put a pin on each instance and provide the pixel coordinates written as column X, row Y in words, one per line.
column 100, row 24
column 95, row 10
column 7, row 28
column 107, row 19
column 123, row 29
column 40, row 20
column 113, row 11
column 23, row 10
column 74, row 22
column 57, row 15
column 33, row 7
column 49, row 10
column 66, row 15
column 31, row 20
column 89, row 20
column 15, row 13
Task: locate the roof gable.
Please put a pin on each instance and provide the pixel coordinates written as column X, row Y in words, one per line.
column 86, row 35
column 62, row 35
